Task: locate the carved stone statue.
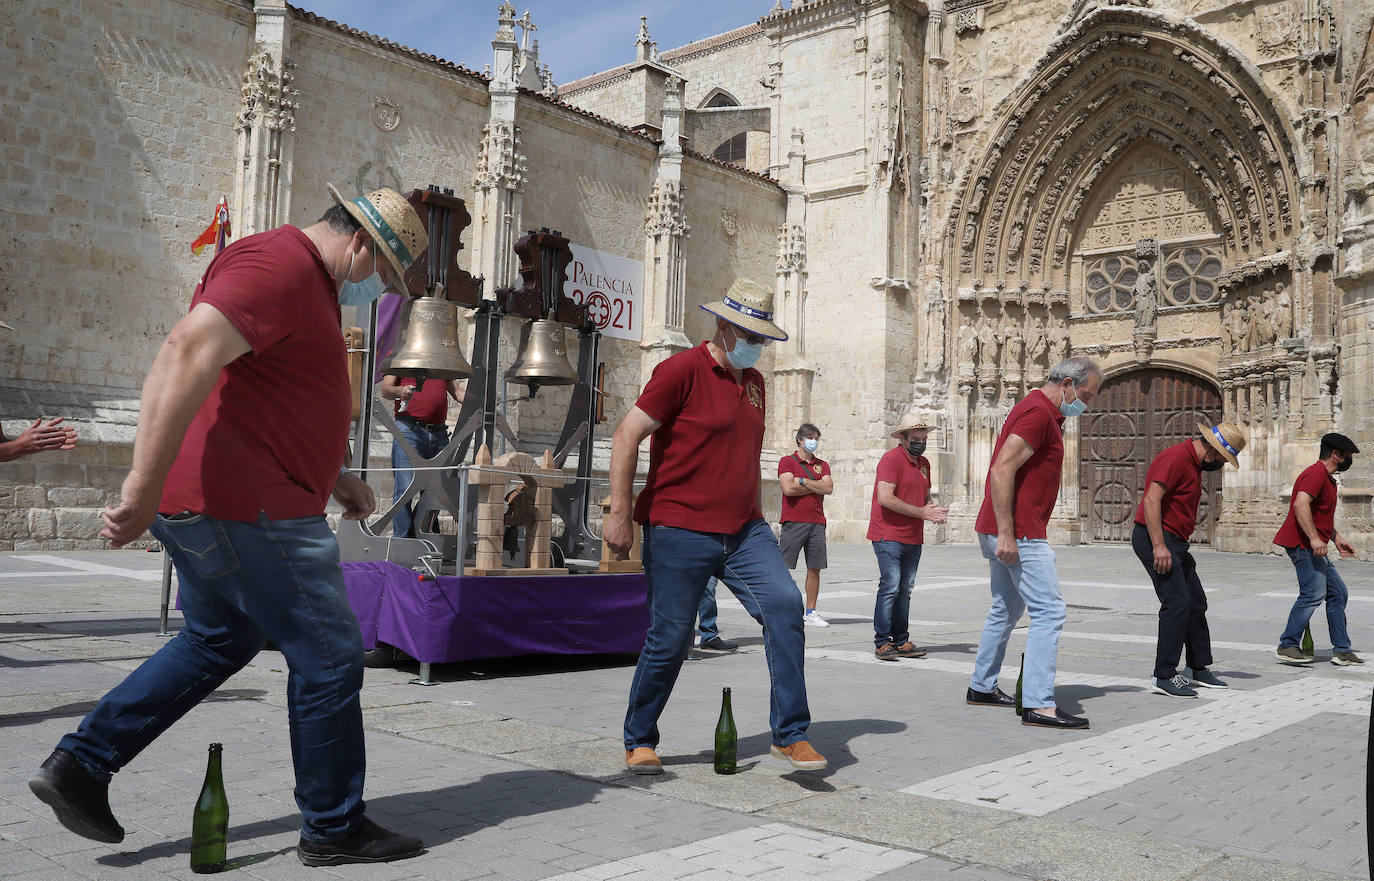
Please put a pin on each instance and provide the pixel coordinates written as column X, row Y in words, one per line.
column 989, row 344
column 1013, row 345
column 1227, row 327
column 968, row 345
column 1059, row 341
column 1264, row 320
column 1283, row 313
column 1248, row 328
column 1037, row 346
column 1146, row 291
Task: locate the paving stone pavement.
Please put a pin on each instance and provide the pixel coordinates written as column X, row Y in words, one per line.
column 512, row 769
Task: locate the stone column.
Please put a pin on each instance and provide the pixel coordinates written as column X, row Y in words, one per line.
column 665, row 228
column 790, row 398
column 264, row 126
column 500, row 178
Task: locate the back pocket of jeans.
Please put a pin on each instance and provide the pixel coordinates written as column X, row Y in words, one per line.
column 202, row 543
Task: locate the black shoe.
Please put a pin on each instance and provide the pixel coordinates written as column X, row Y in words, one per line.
column 1058, row 720
column 994, row 698
column 370, row 843
column 81, row 803
column 1207, row 679
column 1175, row 687
column 716, row 644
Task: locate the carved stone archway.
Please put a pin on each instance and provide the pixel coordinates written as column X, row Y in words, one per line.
column 1119, row 76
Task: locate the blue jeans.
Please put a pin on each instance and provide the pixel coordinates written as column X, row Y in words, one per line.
column 428, row 442
column 1031, row 584
column 707, row 612
column 897, row 563
column 1317, row 581
column 678, row 563
column 241, row 584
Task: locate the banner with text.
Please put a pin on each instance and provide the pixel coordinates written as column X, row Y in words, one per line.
column 610, row 286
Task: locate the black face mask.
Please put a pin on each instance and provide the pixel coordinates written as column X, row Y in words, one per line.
column 1213, row 465
column 1345, row 466
column 916, row 447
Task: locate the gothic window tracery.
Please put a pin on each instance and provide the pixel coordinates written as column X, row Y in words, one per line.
column 733, row 150
column 1190, row 275
column 1110, row 283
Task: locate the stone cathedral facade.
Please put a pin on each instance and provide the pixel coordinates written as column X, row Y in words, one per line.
column 948, row 196
column 1178, row 188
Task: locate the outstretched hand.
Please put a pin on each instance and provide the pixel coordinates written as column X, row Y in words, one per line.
column 355, row 495
column 50, row 435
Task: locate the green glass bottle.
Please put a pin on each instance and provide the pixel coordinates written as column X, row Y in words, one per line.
column 1307, row 647
column 726, row 737
column 1020, row 675
column 210, row 821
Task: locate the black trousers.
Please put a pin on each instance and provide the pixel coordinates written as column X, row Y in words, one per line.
column 1182, row 605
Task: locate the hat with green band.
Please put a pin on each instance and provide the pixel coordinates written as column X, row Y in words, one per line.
column 391, row 221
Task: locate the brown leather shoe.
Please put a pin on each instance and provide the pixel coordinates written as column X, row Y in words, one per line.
column 802, row 756
column 908, row 650
column 643, row 760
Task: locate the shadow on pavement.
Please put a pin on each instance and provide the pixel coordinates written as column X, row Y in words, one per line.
column 438, row 816
column 1069, row 698
column 79, row 709
column 829, row 737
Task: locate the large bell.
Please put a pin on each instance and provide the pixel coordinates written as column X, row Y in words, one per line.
column 429, row 342
column 543, row 358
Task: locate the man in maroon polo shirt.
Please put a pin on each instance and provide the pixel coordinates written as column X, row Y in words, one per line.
column 1164, row 521
column 1306, row 534
column 704, row 409
column 806, row 481
column 242, row 432
column 896, row 526
column 422, row 418
column 1021, row 489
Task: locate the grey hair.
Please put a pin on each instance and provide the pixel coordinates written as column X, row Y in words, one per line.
column 1079, row 368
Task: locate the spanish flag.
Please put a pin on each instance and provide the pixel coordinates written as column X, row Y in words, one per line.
column 217, row 233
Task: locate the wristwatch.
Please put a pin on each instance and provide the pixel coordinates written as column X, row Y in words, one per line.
column 801, row 480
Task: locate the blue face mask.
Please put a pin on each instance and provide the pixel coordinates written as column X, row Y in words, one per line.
column 810, row 444
column 744, row 355
column 1073, row 409
column 361, row 293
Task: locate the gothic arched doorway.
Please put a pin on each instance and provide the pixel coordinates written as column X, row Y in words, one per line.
column 1133, row 418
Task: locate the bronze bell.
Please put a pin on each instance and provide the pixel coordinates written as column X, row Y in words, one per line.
column 429, row 342
column 543, row 358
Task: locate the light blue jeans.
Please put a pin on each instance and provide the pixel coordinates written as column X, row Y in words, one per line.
column 428, row 442
column 1317, row 581
column 1032, row 584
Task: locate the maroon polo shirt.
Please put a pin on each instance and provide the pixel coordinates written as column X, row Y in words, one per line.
column 1318, row 483
column 1038, row 422
column 271, row 435
column 429, row 404
column 810, row 507
column 911, row 484
column 704, row 457
column 1179, row 470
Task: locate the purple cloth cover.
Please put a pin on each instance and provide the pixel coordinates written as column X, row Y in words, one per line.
column 468, row 617
column 388, row 329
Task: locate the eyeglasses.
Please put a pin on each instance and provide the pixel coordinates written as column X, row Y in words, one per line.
column 752, row 339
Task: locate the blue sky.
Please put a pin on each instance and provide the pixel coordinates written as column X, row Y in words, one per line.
column 576, row 37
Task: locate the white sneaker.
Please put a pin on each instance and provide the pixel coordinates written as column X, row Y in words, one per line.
column 814, row 619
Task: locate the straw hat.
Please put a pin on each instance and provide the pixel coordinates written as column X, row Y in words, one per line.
column 912, row 420
column 1226, row 437
column 390, row 220
column 748, row 305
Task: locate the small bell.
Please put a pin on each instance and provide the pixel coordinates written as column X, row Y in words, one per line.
column 543, row 358
column 429, row 342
